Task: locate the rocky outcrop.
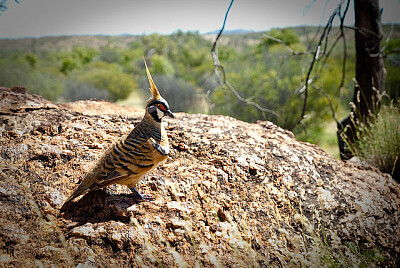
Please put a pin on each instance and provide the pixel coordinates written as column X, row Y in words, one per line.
column 231, row 194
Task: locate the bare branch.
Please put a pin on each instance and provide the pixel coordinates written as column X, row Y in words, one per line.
column 340, row 36
column 330, row 103
column 361, row 30
column 283, row 58
column 294, row 53
column 342, row 17
column 381, row 51
column 4, row 5
column 223, row 81
column 326, row 31
column 326, row 56
column 388, row 38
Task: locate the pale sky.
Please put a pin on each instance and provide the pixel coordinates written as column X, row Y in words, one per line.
column 80, row 17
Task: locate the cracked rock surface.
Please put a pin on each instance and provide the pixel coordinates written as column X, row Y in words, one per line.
column 231, row 194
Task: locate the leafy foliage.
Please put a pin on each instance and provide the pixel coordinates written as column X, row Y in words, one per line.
column 287, row 35
column 75, row 90
column 20, row 72
column 77, row 58
column 108, row 77
column 162, row 66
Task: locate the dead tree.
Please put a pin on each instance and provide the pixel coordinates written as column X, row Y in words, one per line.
column 370, row 72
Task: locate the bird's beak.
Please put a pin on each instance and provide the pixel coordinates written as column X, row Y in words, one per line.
column 170, row 114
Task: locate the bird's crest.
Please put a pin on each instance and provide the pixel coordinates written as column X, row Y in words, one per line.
column 153, row 89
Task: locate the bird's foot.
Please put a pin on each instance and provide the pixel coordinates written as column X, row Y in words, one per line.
column 141, row 197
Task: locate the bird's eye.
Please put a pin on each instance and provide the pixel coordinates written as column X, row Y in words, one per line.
column 159, row 105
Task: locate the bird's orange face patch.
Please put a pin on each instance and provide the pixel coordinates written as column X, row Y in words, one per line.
column 161, row 106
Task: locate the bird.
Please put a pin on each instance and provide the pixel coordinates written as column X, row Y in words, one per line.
column 130, row 159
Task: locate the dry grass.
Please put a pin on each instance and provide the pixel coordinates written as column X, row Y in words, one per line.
column 378, row 139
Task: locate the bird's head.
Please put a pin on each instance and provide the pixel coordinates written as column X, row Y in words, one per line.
column 156, row 106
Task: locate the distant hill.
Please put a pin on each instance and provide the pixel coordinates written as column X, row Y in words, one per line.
column 66, row 43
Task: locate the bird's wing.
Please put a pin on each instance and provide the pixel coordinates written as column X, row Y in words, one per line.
column 114, row 174
column 123, row 162
column 109, row 177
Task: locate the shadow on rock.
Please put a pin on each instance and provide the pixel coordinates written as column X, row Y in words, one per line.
column 99, row 206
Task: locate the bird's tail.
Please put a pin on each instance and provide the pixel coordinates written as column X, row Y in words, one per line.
column 84, row 187
column 79, row 191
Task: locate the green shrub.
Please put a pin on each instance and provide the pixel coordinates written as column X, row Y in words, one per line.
column 75, row 90
column 161, row 66
column 79, row 57
column 110, row 55
column 43, row 82
column 378, row 140
column 13, row 73
column 46, row 84
column 107, row 77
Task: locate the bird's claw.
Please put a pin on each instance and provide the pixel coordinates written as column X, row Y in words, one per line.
column 141, row 197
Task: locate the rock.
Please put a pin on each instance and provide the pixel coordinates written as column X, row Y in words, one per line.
column 230, row 194
column 54, row 197
column 176, row 224
column 86, row 231
column 174, row 206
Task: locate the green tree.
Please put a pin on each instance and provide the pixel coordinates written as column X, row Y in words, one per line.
column 79, row 57
column 108, row 77
column 68, row 65
column 110, row 55
column 162, row 66
column 31, row 59
column 84, row 54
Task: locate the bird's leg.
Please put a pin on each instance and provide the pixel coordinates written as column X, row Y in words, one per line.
column 140, row 197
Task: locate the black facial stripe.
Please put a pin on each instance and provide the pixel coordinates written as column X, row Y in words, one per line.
column 153, row 112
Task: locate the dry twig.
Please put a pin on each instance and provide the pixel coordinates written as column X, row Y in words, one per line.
column 223, row 81
column 324, row 36
column 294, row 53
column 220, row 72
